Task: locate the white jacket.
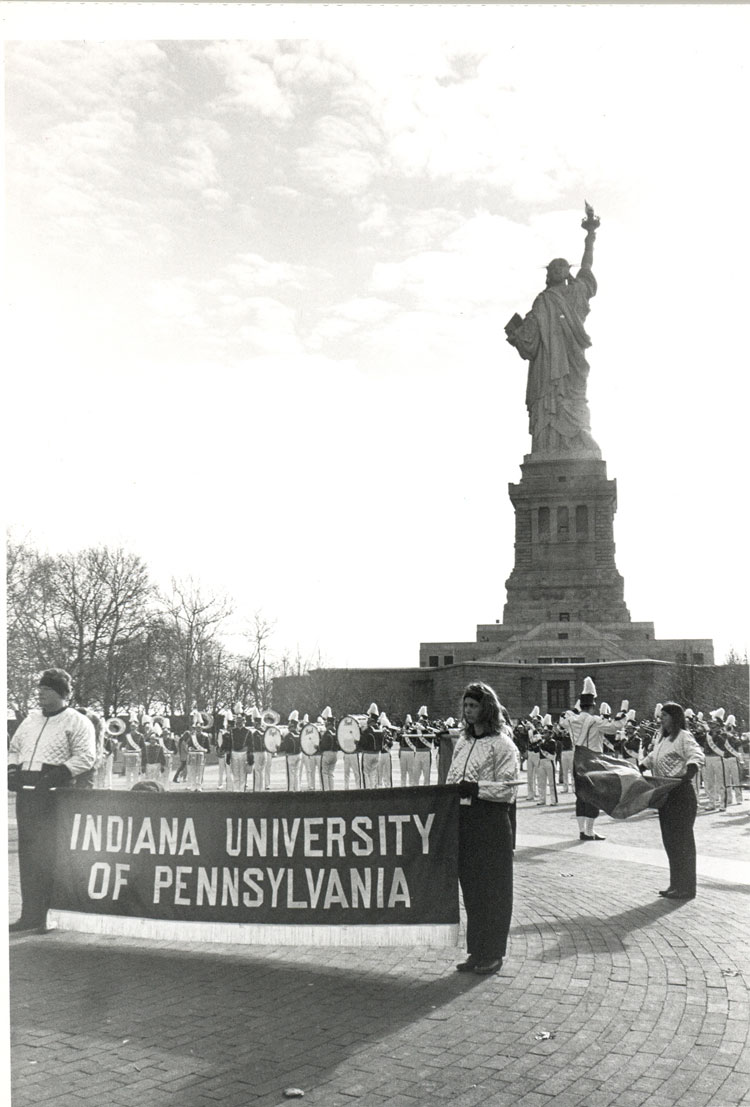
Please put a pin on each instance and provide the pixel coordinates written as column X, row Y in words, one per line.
column 67, row 738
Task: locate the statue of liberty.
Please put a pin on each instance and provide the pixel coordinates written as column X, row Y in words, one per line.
column 553, row 340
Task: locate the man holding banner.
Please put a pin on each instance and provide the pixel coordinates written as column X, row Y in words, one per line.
column 49, row 750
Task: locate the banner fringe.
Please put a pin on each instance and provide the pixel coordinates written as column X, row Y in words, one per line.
column 173, row 930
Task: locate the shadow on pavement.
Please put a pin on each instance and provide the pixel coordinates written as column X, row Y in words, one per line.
column 205, row 1018
column 601, row 933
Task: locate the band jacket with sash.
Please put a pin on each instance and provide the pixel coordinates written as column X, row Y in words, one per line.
column 491, row 761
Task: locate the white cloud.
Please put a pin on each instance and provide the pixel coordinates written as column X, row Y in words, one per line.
column 251, row 84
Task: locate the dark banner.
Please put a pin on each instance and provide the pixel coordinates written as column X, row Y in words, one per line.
column 383, row 857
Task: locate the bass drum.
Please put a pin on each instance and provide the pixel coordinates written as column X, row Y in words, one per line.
column 309, row 739
column 348, row 733
column 272, row 739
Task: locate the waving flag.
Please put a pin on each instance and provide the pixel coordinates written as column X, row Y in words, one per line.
column 616, row 786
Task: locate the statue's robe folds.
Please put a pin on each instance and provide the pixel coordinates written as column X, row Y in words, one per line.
column 552, row 339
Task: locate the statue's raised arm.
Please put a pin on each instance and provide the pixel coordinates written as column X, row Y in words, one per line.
column 552, row 339
column 590, row 225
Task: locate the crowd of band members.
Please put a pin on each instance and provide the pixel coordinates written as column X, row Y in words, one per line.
column 150, row 750
column 546, row 751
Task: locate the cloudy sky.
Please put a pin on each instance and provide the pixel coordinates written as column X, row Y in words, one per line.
column 260, row 261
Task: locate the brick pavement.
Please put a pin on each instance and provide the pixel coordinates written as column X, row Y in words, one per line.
column 646, row 1001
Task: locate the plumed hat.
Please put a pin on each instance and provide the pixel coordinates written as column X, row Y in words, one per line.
column 450, row 721
column 631, row 715
column 718, row 715
column 547, row 720
column 408, row 720
column 657, row 710
column 373, row 709
column 731, row 721
column 535, row 714
column 293, row 716
column 605, row 709
column 326, row 713
column 422, row 711
column 588, row 695
column 624, row 705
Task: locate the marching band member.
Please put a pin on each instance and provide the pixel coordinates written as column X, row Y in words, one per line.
column 446, row 743
column 311, row 762
column 631, row 745
column 152, row 757
column 105, row 758
column 406, row 750
column 698, row 732
column 259, row 751
column 352, row 768
column 329, row 750
column 485, row 767
column 714, row 775
column 546, row 767
column 169, row 743
column 734, row 760
column 371, row 745
column 223, row 753
column 605, row 712
column 182, row 749
column 132, row 750
column 423, row 755
column 239, row 748
column 197, row 745
column 534, row 741
column 293, row 750
column 385, row 765
column 565, row 746
column 588, row 729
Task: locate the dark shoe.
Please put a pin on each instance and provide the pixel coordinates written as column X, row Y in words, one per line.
column 679, row 895
column 666, row 892
column 26, row 926
column 593, row 838
column 467, row 965
column 486, row 968
column 583, row 837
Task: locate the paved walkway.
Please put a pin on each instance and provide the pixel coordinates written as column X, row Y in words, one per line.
column 609, row 996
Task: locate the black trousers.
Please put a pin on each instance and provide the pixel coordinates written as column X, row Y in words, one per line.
column 35, row 812
column 485, row 871
column 586, row 810
column 676, row 819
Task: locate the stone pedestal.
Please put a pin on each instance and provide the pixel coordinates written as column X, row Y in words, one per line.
column 564, row 546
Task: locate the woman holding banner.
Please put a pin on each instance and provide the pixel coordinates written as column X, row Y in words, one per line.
column 677, row 754
column 485, row 768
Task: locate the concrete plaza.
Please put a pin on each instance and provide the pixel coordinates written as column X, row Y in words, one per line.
column 609, row 996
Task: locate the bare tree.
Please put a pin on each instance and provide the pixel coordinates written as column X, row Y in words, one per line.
column 194, row 619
